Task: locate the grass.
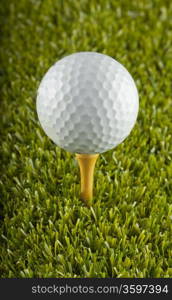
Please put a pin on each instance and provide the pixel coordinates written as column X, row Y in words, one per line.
column 45, row 230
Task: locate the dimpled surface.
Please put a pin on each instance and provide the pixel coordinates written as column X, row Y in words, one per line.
column 87, row 103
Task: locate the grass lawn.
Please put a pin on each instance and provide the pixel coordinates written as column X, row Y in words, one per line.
column 45, row 230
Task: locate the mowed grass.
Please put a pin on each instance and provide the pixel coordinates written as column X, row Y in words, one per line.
column 46, row 231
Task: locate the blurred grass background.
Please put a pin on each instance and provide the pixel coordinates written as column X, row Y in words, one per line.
column 45, row 230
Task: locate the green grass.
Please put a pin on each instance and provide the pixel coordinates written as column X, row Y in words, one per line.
column 45, row 230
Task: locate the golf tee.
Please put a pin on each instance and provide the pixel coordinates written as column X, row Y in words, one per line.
column 87, row 164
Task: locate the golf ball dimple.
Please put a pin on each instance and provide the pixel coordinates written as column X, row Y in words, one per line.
column 87, row 103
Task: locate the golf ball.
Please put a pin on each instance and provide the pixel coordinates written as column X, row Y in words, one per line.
column 87, row 102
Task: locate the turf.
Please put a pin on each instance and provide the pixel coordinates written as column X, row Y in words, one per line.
column 46, row 231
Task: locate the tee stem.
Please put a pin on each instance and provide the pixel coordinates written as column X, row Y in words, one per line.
column 87, row 164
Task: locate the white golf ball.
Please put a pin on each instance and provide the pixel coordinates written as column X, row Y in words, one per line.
column 87, row 102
